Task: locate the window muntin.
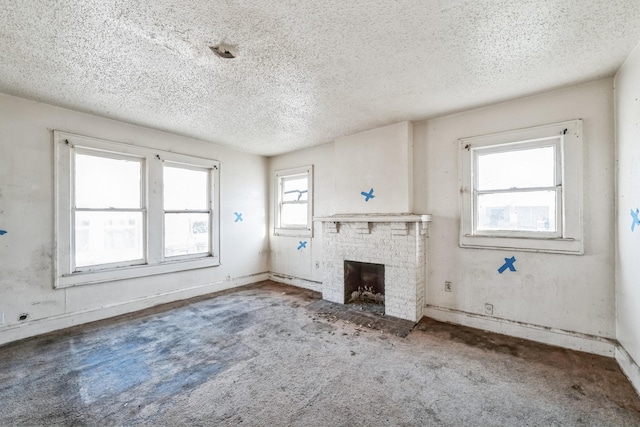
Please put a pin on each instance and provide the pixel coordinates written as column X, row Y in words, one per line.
column 126, row 201
column 294, row 201
column 187, row 216
column 518, row 189
column 107, row 210
column 544, row 185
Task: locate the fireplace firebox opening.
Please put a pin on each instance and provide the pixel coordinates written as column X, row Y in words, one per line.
column 364, row 285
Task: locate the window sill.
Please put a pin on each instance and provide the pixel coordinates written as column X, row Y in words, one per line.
column 122, row 273
column 546, row 245
column 293, row 232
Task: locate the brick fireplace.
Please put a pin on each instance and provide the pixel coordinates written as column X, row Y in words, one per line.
column 398, row 242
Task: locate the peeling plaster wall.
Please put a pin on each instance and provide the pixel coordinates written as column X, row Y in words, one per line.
column 566, row 293
column 627, row 85
column 26, row 214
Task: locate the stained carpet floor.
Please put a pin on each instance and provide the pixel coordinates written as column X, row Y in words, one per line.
column 262, row 356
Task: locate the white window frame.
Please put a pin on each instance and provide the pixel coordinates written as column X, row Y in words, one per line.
column 65, row 273
column 207, row 211
column 116, row 156
column 290, row 230
column 566, row 138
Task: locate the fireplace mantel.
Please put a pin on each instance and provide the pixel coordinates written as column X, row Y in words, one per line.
column 374, row 218
column 396, row 241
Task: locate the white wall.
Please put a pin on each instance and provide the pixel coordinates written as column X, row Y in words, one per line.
column 379, row 159
column 627, row 91
column 567, row 294
column 26, row 213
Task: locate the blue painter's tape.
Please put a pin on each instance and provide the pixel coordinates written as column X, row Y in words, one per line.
column 368, row 195
column 238, row 216
column 2, row 232
column 302, row 245
column 508, row 263
column 635, row 219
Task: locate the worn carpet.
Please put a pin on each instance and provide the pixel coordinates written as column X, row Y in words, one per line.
column 263, row 356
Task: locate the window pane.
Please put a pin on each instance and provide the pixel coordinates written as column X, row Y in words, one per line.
column 294, row 214
column 185, row 188
column 295, row 188
column 186, row 233
column 101, row 182
column 517, row 169
column 108, row 237
column 524, row 211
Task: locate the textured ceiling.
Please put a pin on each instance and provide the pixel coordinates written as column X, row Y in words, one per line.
column 306, row 71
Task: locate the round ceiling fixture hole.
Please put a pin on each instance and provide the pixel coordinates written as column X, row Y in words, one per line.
column 224, row 51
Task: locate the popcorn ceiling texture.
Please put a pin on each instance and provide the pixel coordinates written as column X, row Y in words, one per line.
column 307, row 72
column 400, row 247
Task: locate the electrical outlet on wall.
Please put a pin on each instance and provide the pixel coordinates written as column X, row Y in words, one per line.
column 488, row 309
column 447, row 286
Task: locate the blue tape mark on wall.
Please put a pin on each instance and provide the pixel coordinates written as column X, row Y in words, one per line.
column 368, row 195
column 2, row 232
column 238, row 216
column 508, row 263
column 302, row 245
column 636, row 220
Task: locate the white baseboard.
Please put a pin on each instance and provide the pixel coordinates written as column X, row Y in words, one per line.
column 41, row 326
column 552, row 336
column 628, row 366
column 296, row 281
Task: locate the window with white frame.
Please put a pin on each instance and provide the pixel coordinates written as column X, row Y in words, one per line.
column 108, row 211
column 126, row 211
column 294, row 201
column 523, row 189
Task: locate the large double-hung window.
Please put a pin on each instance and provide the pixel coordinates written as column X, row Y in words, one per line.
column 108, row 210
column 126, row 211
column 523, row 189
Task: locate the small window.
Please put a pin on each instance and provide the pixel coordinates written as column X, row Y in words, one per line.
column 294, row 202
column 522, row 189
